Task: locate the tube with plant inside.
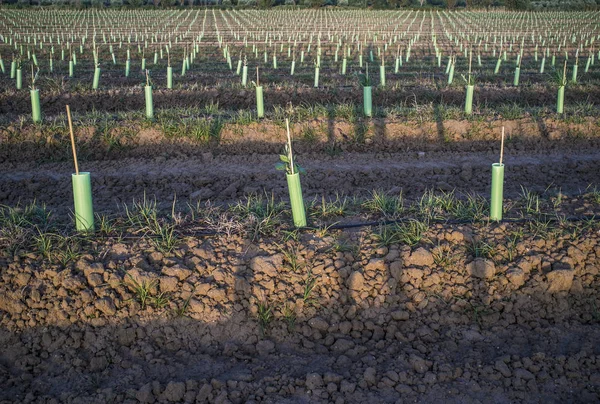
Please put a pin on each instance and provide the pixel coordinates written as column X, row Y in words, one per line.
column 292, row 171
column 36, row 111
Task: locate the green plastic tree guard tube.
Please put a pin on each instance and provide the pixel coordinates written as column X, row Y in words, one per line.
column 517, row 75
column 19, row 79
column 497, row 68
column 293, row 68
column 82, row 196
column 169, row 77
column 245, row 76
column 344, row 66
column 2, row 65
column 296, row 201
column 451, row 74
column 13, row 69
column 260, row 106
column 36, row 111
column 469, row 100
column 96, row 82
column 574, row 78
column 560, row 100
column 543, row 64
column 239, row 67
column 71, row 69
column 382, row 76
column 316, row 77
column 127, row 67
column 149, row 104
column 367, row 100
column 497, row 191
column 397, row 66
column 143, row 64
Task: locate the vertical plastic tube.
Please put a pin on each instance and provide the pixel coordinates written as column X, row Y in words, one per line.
column 244, row 76
column 296, row 201
column 367, row 101
column 451, row 74
column 149, row 103
column 469, row 100
column 169, row 77
column 293, row 68
column 19, row 79
column 497, row 191
column 260, row 106
column 316, row 77
column 239, row 67
column 13, row 69
column 543, row 64
column 517, row 76
column 344, row 66
column 497, row 68
column 143, row 64
column 36, row 111
column 397, row 66
column 127, row 67
column 574, row 78
column 96, row 82
column 82, row 197
column 560, row 100
column 382, row 76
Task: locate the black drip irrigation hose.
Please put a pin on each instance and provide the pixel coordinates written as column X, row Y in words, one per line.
column 209, row 233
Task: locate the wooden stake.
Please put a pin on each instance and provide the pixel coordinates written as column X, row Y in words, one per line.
column 72, row 140
column 502, row 146
column 290, row 153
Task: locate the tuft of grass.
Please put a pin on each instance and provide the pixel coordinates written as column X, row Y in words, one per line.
column 388, row 205
column 443, row 256
column 473, row 208
column 243, row 117
column 541, row 226
column 180, row 312
column 309, row 285
column 531, row 201
column 410, row 233
column 413, row 232
column 327, row 208
column 289, row 316
column 44, row 243
column 265, row 315
column 142, row 290
column 480, row 249
column 262, row 215
column 161, row 300
column 309, row 134
column 290, row 258
column 144, row 215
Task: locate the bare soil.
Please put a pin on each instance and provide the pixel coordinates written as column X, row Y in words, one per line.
column 381, row 324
